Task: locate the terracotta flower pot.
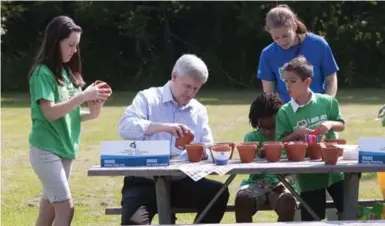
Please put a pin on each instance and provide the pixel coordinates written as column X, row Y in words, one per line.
column 292, row 142
column 216, row 146
column 339, row 141
column 231, row 144
column 105, row 86
column 195, row 152
column 272, row 151
column 221, row 153
column 250, row 143
column 314, row 151
column 330, row 155
column 182, row 141
column 331, row 144
column 247, row 152
column 296, row 151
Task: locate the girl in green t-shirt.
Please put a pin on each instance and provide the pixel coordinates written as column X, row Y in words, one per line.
column 260, row 190
column 55, row 83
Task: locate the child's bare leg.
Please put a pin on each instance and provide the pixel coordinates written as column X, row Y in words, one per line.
column 245, row 207
column 284, row 205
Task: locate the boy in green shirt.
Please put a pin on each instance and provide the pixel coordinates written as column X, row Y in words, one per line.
column 263, row 189
column 305, row 113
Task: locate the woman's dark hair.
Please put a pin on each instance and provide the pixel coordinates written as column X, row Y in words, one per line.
column 49, row 54
column 267, row 104
column 283, row 16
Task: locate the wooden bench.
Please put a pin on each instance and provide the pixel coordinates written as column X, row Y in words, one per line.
column 231, row 208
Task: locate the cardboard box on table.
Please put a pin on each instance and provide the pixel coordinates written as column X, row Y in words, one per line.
column 135, row 153
column 371, row 150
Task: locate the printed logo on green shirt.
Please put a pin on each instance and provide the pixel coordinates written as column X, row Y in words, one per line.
column 64, row 93
column 311, row 122
column 301, row 124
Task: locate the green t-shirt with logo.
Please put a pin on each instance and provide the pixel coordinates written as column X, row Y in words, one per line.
column 61, row 136
column 253, row 136
column 320, row 108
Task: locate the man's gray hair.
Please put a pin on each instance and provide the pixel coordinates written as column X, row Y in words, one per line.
column 191, row 65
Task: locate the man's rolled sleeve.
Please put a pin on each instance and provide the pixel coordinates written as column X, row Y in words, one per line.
column 134, row 123
column 207, row 136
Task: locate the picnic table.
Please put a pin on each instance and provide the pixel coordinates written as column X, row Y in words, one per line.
column 162, row 176
column 329, row 223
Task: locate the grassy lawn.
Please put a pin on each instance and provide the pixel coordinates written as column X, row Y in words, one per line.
column 228, row 119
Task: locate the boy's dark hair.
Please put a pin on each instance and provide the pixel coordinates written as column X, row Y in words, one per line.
column 265, row 105
column 300, row 66
column 59, row 28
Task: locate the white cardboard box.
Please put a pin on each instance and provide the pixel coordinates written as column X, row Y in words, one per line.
column 372, row 150
column 135, row 153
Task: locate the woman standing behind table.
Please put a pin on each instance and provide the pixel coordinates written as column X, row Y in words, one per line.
column 55, row 83
column 292, row 39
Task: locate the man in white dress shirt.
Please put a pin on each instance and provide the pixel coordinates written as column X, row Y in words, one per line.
column 165, row 113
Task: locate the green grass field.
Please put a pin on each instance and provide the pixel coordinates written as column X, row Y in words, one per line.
column 228, row 118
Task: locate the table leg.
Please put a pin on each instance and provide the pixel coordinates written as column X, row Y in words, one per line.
column 351, row 187
column 298, row 197
column 211, row 203
column 163, row 199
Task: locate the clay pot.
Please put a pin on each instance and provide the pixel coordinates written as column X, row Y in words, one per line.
column 221, row 153
column 296, row 151
column 330, row 155
column 331, row 143
column 339, row 141
column 216, row 146
column 195, row 152
column 292, row 142
column 105, row 86
column 314, row 151
column 250, row 143
column 231, row 144
column 247, row 152
column 182, row 141
column 272, row 151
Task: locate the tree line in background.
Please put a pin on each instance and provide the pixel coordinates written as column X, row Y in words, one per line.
column 135, row 44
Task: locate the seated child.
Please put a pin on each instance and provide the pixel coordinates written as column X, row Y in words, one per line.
column 305, row 113
column 263, row 189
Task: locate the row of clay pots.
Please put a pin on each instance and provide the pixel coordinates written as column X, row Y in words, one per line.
column 296, row 151
column 247, row 150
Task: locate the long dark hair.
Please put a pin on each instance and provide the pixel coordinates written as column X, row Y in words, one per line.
column 49, row 53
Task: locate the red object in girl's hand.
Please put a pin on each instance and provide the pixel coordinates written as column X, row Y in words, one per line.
column 105, row 86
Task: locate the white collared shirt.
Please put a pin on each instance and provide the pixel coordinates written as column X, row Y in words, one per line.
column 295, row 105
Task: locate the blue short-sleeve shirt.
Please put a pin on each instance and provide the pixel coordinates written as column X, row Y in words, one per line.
column 314, row 48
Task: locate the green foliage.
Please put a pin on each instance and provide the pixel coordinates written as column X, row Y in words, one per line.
column 135, row 44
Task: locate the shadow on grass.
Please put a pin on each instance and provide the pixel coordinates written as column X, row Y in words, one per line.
column 215, row 97
column 369, row 176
